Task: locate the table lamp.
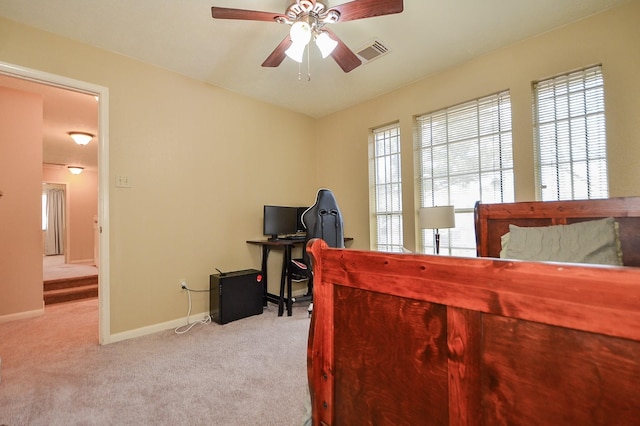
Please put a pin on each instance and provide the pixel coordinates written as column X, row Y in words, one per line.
column 439, row 217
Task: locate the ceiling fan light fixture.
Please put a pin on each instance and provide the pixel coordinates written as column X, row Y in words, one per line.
column 81, row 138
column 300, row 33
column 325, row 43
column 296, row 51
column 307, row 19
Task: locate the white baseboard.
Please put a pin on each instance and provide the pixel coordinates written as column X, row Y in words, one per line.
column 22, row 315
column 150, row 329
column 143, row 331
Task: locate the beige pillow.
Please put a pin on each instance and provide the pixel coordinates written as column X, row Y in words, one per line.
column 504, row 243
column 595, row 241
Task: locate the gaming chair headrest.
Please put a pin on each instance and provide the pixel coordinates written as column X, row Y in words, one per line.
column 324, row 220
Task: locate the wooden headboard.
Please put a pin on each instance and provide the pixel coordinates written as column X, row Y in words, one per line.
column 493, row 220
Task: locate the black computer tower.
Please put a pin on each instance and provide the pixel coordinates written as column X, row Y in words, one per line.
column 235, row 295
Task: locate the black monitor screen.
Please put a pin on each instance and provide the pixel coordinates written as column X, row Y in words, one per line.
column 280, row 220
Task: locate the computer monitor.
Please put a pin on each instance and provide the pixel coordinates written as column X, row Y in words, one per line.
column 280, row 220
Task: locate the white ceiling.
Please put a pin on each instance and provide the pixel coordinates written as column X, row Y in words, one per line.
column 427, row 37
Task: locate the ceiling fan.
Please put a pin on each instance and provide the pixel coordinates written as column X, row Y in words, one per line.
column 308, row 20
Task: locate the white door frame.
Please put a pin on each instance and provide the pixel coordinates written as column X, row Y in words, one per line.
column 104, row 314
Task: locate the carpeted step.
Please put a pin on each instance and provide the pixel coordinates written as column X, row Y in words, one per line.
column 71, row 293
column 61, row 283
column 67, row 289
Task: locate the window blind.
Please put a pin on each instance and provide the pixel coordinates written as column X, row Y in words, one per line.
column 464, row 154
column 570, row 135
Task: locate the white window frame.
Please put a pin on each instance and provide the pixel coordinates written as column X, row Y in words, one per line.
column 481, row 131
column 570, row 136
column 385, row 175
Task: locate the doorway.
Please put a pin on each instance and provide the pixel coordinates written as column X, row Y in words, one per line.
column 68, row 279
column 100, row 96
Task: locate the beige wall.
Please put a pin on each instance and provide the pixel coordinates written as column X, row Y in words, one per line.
column 202, row 161
column 610, row 39
column 20, row 203
column 81, row 207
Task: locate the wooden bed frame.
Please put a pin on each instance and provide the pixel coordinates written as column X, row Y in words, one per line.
column 419, row 339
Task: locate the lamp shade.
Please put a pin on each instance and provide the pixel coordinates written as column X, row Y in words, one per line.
column 439, row 217
column 325, row 43
column 75, row 170
column 296, row 51
column 300, row 32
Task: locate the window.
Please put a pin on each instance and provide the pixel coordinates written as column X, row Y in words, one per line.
column 464, row 155
column 387, row 188
column 569, row 126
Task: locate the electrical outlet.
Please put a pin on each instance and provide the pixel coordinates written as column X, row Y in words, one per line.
column 183, row 283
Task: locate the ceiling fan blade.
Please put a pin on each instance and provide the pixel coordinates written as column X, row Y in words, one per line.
column 247, row 15
column 277, row 56
column 346, row 59
column 359, row 9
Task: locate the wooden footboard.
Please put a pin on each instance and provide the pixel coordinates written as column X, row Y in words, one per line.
column 417, row 339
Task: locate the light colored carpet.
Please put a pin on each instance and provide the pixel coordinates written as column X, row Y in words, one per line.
column 247, row 372
column 53, row 268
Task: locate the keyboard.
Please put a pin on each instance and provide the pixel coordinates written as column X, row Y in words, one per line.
column 293, row 238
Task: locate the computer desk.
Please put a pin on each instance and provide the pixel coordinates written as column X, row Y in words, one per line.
column 285, row 276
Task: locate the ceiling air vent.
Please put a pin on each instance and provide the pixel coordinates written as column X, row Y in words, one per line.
column 372, row 50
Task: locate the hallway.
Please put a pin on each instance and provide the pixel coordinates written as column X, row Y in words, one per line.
column 54, row 268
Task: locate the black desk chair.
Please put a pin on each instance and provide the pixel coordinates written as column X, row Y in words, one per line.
column 322, row 220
